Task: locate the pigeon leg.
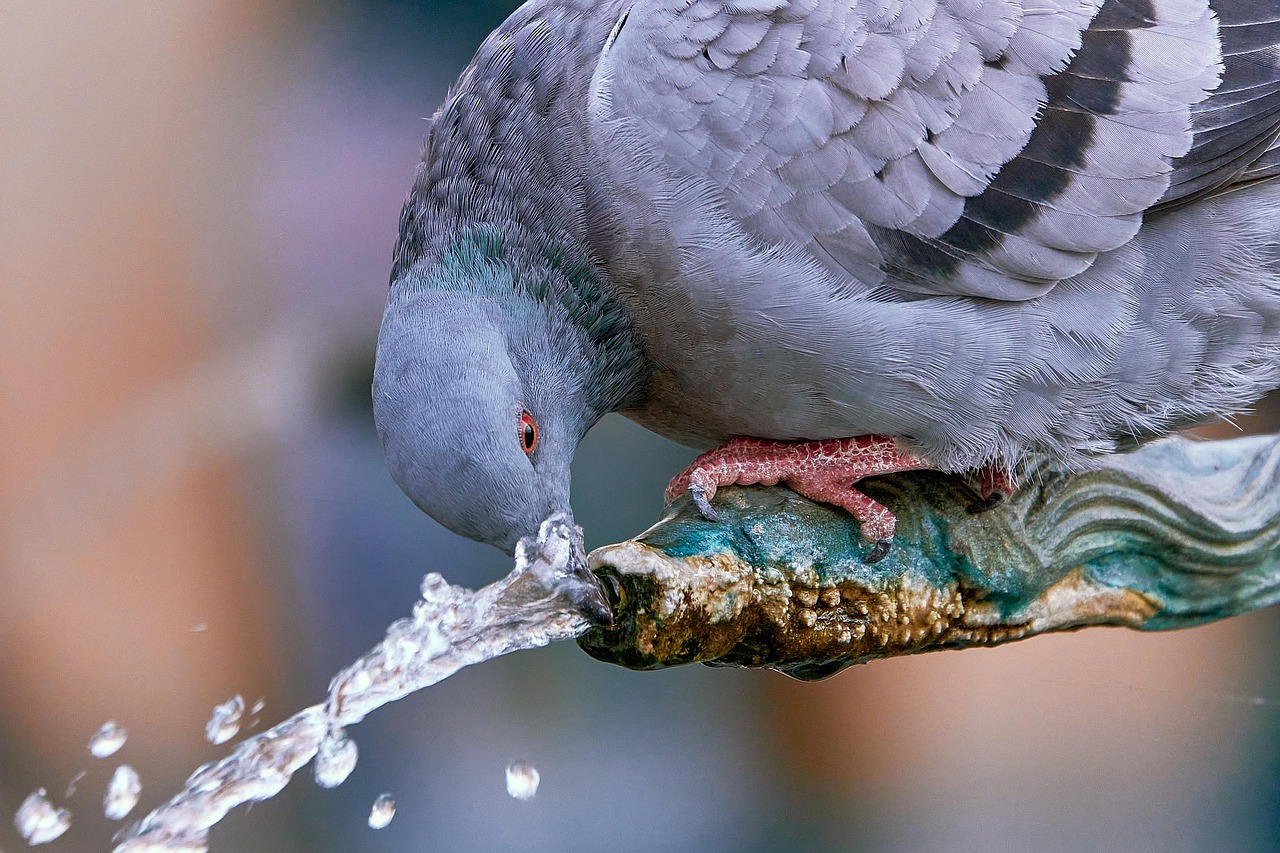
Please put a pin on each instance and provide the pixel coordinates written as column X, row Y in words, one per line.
column 823, row 471
column 995, row 485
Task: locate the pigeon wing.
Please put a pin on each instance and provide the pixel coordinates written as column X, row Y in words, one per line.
column 1235, row 128
column 986, row 148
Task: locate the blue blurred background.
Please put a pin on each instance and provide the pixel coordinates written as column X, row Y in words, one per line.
column 197, row 211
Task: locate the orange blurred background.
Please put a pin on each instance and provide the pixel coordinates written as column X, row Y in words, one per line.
column 198, row 206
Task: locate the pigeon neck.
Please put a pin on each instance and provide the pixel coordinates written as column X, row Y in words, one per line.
column 553, row 309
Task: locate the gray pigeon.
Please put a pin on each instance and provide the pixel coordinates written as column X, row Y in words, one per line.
column 933, row 233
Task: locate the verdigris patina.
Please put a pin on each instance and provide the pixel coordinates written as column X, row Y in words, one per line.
column 1173, row 535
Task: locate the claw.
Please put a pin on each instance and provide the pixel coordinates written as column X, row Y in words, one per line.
column 990, row 502
column 700, row 499
column 879, row 550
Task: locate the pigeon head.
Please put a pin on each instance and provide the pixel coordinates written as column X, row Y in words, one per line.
column 476, row 412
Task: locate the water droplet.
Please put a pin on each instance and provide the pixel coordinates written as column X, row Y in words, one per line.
column 40, row 821
column 435, row 587
column 75, row 781
column 335, row 759
column 224, row 724
column 258, row 706
column 522, row 780
column 199, row 628
column 122, row 793
column 384, row 809
column 108, row 739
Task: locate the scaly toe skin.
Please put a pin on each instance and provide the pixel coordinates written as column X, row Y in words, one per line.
column 823, row 471
column 678, row 486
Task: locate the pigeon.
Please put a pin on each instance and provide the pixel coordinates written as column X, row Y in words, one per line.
column 824, row 240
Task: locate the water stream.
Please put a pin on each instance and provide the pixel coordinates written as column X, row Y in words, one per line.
column 549, row 596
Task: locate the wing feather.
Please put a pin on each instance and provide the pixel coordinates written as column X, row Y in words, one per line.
column 972, row 147
column 1235, row 128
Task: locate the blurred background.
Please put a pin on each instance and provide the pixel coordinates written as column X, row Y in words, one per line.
column 197, row 211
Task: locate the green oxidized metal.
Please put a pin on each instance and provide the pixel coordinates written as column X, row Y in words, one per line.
column 1176, row 534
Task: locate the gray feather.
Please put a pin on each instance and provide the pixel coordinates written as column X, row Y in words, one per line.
column 1241, row 118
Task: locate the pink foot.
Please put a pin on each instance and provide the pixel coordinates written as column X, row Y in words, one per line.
column 996, row 485
column 820, row 470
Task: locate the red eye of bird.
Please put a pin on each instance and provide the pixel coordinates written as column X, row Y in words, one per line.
column 528, row 433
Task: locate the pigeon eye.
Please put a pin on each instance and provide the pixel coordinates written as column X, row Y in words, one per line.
column 528, row 433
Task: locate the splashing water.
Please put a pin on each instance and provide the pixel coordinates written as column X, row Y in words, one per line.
column 123, row 792
column 549, row 596
column 165, row 844
column 257, row 769
column 39, row 821
column 107, row 740
column 73, row 784
column 335, row 760
column 384, row 809
column 224, row 723
column 522, row 780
